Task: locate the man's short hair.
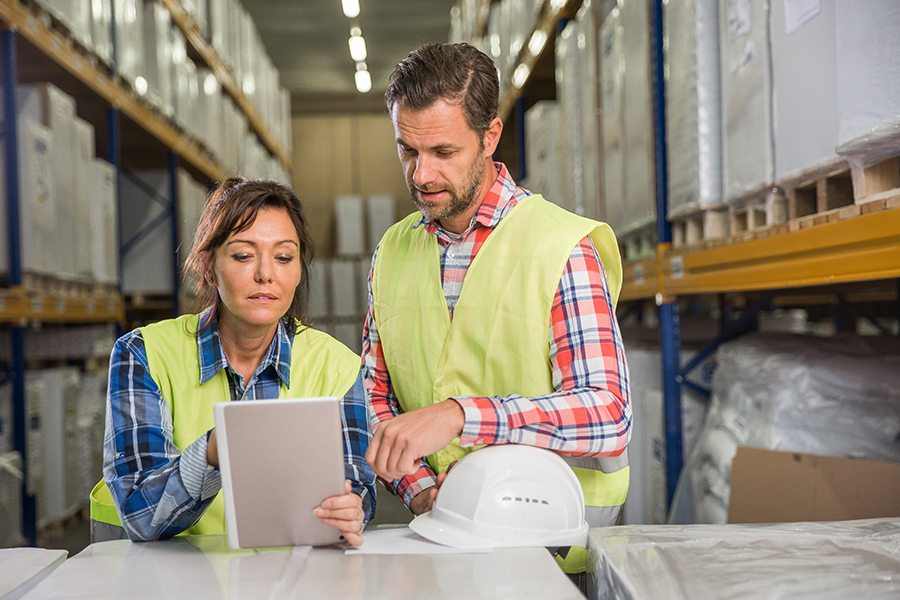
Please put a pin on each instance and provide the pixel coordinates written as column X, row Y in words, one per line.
column 453, row 72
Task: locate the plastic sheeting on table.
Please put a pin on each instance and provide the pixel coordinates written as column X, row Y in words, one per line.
column 847, row 559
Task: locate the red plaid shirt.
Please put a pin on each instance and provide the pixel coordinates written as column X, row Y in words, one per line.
column 589, row 412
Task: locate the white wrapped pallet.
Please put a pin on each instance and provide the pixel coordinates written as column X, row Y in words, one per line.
column 382, row 213
column 343, row 289
column 868, row 69
column 612, row 102
column 587, row 22
column 75, row 15
column 101, row 29
column 748, row 145
column 48, row 105
column 11, row 500
column 186, row 92
column 640, row 191
column 35, row 393
column 210, row 111
column 58, row 408
column 804, row 67
column 567, row 84
column 497, row 42
column 37, row 204
column 317, row 277
column 693, row 104
column 350, row 221
column 825, row 396
column 6, row 418
column 543, row 147
column 129, row 17
column 104, row 223
column 147, row 266
column 82, row 199
column 158, row 57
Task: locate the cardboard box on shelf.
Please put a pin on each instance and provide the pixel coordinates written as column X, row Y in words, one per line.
column 773, row 487
column 104, row 224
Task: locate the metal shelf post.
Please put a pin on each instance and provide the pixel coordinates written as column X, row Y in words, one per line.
column 17, row 332
column 670, row 342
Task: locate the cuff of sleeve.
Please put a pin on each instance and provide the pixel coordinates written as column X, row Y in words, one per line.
column 412, row 485
column 201, row 480
column 367, row 500
column 485, row 421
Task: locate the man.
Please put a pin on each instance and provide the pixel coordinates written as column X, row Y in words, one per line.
column 490, row 316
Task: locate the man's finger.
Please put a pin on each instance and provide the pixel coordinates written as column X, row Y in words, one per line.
column 408, row 463
column 354, row 539
column 340, row 514
column 374, row 444
column 395, row 451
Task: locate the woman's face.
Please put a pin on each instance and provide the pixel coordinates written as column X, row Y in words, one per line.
column 257, row 270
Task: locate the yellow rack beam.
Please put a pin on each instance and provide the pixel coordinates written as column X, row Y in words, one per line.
column 191, row 31
column 861, row 248
column 63, row 52
column 19, row 305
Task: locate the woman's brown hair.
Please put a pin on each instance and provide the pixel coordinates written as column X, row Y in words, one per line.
column 231, row 208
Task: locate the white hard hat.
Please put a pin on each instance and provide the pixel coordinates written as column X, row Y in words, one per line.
column 507, row 496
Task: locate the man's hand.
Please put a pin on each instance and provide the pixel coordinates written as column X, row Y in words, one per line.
column 399, row 443
column 344, row 513
column 424, row 500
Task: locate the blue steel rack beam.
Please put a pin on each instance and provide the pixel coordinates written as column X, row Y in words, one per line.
column 17, row 333
column 669, row 333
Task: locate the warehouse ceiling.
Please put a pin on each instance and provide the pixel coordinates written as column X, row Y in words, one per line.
column 307, row 41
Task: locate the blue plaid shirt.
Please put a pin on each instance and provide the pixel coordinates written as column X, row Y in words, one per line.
column 161, row 491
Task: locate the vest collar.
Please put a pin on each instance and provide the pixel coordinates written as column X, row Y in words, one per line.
column 212, row 356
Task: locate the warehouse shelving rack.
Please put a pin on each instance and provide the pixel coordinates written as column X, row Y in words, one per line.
column 35, row 48
column 811, row 267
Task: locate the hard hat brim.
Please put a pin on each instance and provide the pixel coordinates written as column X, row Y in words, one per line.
column 438, row 532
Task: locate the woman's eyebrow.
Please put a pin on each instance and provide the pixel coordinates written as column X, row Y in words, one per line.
column 252, row 243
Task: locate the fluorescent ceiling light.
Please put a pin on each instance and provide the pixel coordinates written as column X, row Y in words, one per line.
column 537, row 41
column 351, row 8
column 363, row 81
column 357, row 48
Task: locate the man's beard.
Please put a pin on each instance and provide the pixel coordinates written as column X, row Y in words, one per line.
column 460, row 202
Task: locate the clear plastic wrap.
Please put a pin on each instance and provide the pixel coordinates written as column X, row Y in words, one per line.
column 748, row 147
column 543, row 145
column 612, row 98
column 693, row 104
column 568, row 62
column 846, row 559
column 868, row 69
column 826, row 396
column 804, row 86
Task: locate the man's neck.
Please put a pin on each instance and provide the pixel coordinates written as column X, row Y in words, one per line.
column 459, row 223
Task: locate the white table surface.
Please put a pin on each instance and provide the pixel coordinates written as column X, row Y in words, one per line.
column 23, row 568
column 203, row 567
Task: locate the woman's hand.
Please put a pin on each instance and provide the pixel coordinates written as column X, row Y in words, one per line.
column 344, row 513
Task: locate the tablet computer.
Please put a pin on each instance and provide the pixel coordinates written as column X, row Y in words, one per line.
column 279, row 459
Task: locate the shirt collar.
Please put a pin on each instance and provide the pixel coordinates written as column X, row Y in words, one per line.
column 497, row 202
column 213, row 359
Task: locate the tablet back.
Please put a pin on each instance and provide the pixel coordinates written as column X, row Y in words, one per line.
column 279, row 459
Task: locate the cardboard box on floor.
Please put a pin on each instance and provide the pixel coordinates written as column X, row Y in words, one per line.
column 784, row 487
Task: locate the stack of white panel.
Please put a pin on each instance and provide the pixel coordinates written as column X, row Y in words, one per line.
column 344, row 295
column 640, row 191
column 10, row 500
column 37, row 207
column 58, row 408
column 748, row 144
column 612, row 100
column 90, row 416
column 55, row 110
column 350, row 219
column 587, row 21
column 804, row 66
column 544, row 150
column 185, row 88
column 147, row 266
column 209, row 112
column 868, row 72
column 129, row 17
column 693, row 104
column 84, row 195
column 318, row 277
column 73, row 498
column 567, row 82
column 101, row 29
column 35, row 396
column 381, row 212
column 104, row 224
column 75, row 14
column 158, row 57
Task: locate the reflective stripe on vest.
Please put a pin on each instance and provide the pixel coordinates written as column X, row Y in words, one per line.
column 320, row 366
column 496, row 344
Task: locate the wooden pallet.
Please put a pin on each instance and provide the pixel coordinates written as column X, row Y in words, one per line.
column 759, row 214
column 877, row 186
column 639, row 243
column 821, row 195
column 700, row 226
column 66, row 288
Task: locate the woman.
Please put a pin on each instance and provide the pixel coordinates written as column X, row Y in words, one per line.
column 249, row 260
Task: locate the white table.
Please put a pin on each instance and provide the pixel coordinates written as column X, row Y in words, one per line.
column 203, row 567
column 838, row 560
column 23, row 568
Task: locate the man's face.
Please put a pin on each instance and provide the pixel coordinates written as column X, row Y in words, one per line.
column 443, row 158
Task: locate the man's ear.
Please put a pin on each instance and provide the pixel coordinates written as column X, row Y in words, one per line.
column 492, row 137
